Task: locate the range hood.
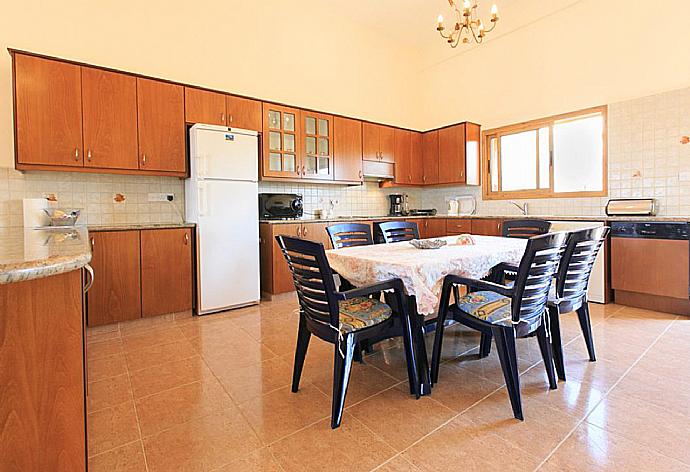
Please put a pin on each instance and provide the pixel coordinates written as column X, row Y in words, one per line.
column 376, row 170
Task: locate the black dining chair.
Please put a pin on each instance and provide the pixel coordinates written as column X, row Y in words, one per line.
column 525, row 228
column 395, row 231
column 570, row 294
column 507, row 313
column 341, row 318
column 349, row 234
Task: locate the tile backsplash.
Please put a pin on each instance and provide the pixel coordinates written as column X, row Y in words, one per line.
column 95, row 194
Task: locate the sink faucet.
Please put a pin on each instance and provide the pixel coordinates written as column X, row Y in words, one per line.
column 523, row 208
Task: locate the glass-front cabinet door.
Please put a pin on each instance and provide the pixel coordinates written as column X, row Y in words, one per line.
column 317, row 147
column 281, row 138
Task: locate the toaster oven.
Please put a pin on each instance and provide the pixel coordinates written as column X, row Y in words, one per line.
column 279, row 206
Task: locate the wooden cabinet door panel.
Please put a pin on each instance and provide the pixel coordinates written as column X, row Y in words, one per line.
column 652, row 266
column 317, row 232
column 387, row 143
column 347, row 149
column 166, row 271
column 457, row 226
column 282, row 141
column 48, row 112
column 203, row 106
column 420, row 226
column 317, row 145
column 486, row 227
column 42, row 375
column 416, row 159
column 451, row 152
column 282, row 277
column 370, row 142
column 160, row 111
column 403, row 146
column 435, row 227
column 243, row 113
column 430, row 157
column 116, row 291
column 109, row 103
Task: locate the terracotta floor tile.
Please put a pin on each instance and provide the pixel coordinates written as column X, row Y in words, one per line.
column 169, row 375
column 155, row 354
column 231, row 353
column 141, row 325
column 459, row 388
column 646, row 424
column 112, row 427
column 281, row 412
column 102, row 333
column 202, row 444
column 398, row 464
column 391, row 361
column 350, row 448
column 106, row 367
column 205, row 326
column 179, row 405
column 464, row 445
column 601, row 374
column 591, row 448
column 128, row 458
column 260, row 460
column 110, row 347
column 457, row 340
column 399, row 418
column 108, row 392
column 670, row 393
column 247, row 383
column 146, row 339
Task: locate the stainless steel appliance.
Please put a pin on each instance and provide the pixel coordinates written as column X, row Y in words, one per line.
column 280, row 206
column 396, row 204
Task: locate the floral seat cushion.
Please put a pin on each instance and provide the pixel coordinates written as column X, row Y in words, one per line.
column 362, row 312
column 495, row 309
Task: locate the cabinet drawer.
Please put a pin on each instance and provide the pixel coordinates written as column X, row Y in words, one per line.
column 456, row 226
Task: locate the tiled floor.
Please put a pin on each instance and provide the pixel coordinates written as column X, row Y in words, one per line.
column 212, row 393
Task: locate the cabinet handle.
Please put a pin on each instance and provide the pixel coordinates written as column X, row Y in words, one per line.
column 93, row 243
column 299, row 231
column 231, row 118
column 304, row 231
column 222, row 118
column 409, row 178
column 76, row 154
column 186, row 239
column 304, row 172
column 424, row 178
column 89, row 284
column 143, row 159
column 88, row 155
column 360, row 175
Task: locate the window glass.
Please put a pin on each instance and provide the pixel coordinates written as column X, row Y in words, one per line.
column 578, row 155
column 544, row 158
column 519, row 161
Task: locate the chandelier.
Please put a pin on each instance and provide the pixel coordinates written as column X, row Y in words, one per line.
column 467, row 23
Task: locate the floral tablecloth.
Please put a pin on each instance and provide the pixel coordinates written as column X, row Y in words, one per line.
column 422, row 270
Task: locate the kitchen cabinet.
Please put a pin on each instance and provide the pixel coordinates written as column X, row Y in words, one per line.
column 347, row 150
column 116, row 292
column 451, row 155
column 416, row 159
column 47, row 112
column 430, row 152
column 486, row 227
column 243, row 113
column 282, row 137
column 161, row 126
column 378, row 143
column 109, row 104
column 166, row 271
column 42, row 414
column 204, row 106
column 434, row 228
column 458, row 226
column 403, row 157
column 317, row 145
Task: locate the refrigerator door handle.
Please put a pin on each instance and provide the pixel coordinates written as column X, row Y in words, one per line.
column 203, row 200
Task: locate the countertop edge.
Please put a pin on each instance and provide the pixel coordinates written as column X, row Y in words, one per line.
column 682, row 219
column 21, row 272
column 137, row 226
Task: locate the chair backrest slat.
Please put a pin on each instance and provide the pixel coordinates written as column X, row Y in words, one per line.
column 578, row 261
column 349, row 234
column 525, row 228
column 396, row 231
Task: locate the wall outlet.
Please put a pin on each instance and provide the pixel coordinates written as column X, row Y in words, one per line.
column 161, row 197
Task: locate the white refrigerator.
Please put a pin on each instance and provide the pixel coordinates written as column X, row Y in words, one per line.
column 221, row 198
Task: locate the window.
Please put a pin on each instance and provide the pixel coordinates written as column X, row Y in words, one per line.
column 560, row 156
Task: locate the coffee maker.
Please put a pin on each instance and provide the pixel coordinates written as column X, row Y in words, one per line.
column 399, row 205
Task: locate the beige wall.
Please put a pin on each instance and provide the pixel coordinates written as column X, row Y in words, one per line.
column 295, row 52
column 583, row 53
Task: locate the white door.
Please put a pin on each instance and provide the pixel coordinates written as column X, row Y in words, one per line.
column 217, row 153
column 228, row 228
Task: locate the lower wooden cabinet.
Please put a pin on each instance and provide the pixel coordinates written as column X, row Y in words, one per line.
column 140, row 273
column 487, row 227
column 166, row 271
column 458, row 226
column 116, row 291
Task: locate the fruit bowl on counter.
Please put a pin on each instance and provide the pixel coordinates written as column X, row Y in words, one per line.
column 63, row 216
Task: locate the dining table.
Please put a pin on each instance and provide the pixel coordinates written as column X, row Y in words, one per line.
column 422, row 272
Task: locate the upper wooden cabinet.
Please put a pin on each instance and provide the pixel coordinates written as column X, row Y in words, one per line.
column 281, row 141
column 416, row 158
column 459, row 154
column 204, row 106
column 378, row 143
column 243, row 113
column 347, row 149
column 317, row 145
column 403, row 157
column 48, row 116
column 430, row 157
column 109, row 104
column 160, row 111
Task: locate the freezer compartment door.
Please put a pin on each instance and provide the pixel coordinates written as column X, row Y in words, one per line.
column 217, row 153
column 228, row 230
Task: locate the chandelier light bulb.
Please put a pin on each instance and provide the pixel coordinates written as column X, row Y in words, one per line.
column 494, row 12
column 439, row 20
column 468, row 25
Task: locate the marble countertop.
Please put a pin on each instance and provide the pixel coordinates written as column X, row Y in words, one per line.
column 29, row 253
column 138, row 226
column 345, row 219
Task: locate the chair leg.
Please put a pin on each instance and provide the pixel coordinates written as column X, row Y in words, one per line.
column 556, row 342
column 505, row 346
column 411, row 358
column 341, row 377
column 358, row 353
column 485, row 345
column 303, row 336
column 438, row 337
column 547, row 355
column 586, row 326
